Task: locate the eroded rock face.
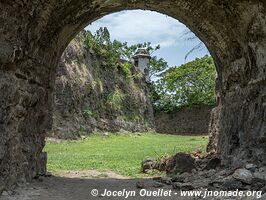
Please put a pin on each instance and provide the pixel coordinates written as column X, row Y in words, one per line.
column 243, row 175
column 35, row 33
column 92, row 95
column 188, row 172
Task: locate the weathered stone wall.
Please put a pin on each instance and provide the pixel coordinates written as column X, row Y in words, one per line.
column 34, row 34
column 184, row 121
column 85, row 90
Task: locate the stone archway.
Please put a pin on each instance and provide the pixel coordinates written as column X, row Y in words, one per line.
column 35, row 33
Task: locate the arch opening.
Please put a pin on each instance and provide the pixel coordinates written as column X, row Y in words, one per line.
column 30, row 51
column 170, row 37
column 85, row 86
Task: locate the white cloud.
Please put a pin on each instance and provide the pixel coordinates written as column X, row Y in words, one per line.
column 141, row 26
column 138, row 26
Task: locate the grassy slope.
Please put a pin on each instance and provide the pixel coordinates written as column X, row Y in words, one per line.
column 119, row 153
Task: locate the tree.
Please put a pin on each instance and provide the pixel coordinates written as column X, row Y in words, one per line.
column 191, row 84
column 113, row 51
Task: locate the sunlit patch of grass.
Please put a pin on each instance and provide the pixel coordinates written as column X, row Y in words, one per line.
column 120, row 153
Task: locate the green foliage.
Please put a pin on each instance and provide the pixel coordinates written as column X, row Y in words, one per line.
column 115, row 99
column 191, row 84
column 126, row 69
column 101, row 44
column 157, row 66
column 113, row 51
column 87, row 113
column 122, row 154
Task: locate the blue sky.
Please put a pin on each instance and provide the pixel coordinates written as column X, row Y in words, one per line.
column 137, row 26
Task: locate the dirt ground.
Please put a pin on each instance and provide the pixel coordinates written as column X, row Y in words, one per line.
column 82, row 185
column 78, row 185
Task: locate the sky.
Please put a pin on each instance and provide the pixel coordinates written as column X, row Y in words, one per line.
column 138, row 26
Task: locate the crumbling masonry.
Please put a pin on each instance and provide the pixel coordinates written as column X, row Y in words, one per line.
column 34, row 33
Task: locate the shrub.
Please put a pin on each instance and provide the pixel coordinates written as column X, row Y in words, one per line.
column 87, row 113
column 115, row 99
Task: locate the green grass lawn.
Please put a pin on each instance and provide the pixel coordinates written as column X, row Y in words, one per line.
column 118, row 153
